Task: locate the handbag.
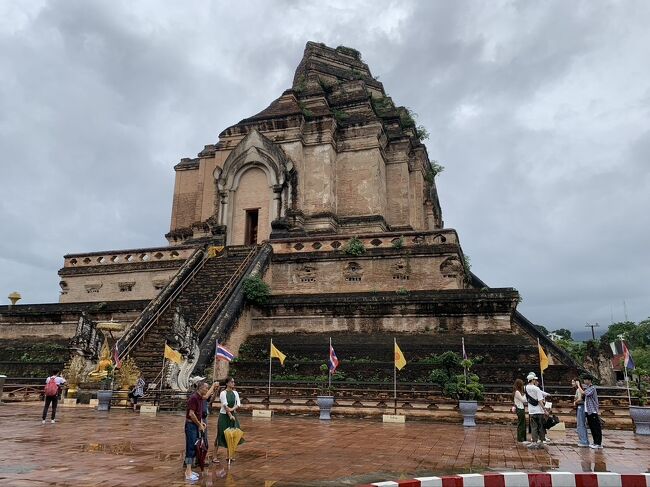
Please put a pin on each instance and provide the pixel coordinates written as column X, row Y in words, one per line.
column 551, row 421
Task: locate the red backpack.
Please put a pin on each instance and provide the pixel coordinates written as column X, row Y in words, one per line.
column 51, row 388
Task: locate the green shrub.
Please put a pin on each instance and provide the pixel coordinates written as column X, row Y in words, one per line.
column 398, row 243
column 461, row 386
column 340, row 115
column 355, row 247
column 256, row 290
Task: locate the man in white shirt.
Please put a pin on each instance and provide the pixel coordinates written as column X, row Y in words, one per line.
column 535, row 397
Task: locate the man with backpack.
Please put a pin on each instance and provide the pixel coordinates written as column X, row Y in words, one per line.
column 535, row 397
column 52, row 385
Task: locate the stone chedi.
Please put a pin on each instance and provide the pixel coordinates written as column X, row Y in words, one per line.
column 332, row 176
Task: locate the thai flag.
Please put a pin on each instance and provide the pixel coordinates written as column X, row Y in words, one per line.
column 333, row 361
column 222, row 353
column 629, row 363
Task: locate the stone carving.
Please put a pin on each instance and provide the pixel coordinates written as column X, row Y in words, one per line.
column 353, row 272
column 306, row 273
column 401, row 270
column 451, row 267
column 178, row 376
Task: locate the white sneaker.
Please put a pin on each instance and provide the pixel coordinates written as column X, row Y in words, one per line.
column 43, row 422
column 52, row 421
column 595, row 447
column 583, row 445
column 547, row 441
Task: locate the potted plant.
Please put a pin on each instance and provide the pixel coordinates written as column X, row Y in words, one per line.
column 641, row 414
column 458, row 382
column 325, row 398
column 105, row 392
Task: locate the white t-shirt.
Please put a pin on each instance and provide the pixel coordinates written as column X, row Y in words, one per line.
column 58, row 379
column 224, row 401
column 536, row 393
column 520, row 400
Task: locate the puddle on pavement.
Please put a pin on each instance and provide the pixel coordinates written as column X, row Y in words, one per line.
column 124, row 448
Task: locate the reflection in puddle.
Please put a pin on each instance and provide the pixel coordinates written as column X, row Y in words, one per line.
column 596, row 466
column 124, row 448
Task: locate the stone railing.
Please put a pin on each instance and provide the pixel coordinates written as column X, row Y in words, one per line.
column 113, row 257
column 329, row 243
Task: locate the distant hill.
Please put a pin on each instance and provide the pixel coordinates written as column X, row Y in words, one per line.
column 584, row 335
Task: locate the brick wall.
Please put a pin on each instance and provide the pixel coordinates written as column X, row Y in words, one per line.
column 345, row 273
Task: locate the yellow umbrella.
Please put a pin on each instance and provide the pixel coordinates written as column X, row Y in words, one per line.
column 233, row 437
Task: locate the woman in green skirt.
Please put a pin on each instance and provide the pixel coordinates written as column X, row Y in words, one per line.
column 229, row 398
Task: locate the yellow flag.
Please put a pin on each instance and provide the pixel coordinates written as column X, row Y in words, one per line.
column 543, row 359
column 277, row 354
column 400, row 361
column 173, row 355
column 214, row 250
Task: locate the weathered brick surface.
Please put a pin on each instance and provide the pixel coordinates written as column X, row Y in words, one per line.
column 341, row 135
column 371, row 272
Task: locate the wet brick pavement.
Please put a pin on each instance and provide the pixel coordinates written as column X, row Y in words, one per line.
column 120, row 448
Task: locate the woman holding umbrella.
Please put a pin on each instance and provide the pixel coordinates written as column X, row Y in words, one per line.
column 228, row 419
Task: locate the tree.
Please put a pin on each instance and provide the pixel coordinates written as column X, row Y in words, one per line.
column 641, row 358
column 563, row 333
column 639, row 337
column 577, row 350
column 616, row 329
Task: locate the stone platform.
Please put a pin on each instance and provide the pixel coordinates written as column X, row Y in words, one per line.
column 87, row 447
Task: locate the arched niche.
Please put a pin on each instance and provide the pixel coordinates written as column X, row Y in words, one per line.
column 253, row 188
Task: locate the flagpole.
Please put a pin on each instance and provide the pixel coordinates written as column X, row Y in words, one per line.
column 464, row 358
column 627, row 384
column 394, row 374
column 214, row 364
column 541, row 371
column 270, row 370
column 329, row 376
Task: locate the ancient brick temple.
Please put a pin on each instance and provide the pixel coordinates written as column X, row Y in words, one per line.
column 332, row 177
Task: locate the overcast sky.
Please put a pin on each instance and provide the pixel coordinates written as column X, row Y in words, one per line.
column 539, row 112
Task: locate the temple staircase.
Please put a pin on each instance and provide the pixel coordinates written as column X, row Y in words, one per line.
column 201, row 303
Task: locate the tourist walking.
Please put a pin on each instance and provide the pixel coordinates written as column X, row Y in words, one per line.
column 229, row 398
column 520, row 402
column 581, row 419
column 52, row 390
column 138, row 391
column 535, row 398
column 591, row 411
column 193, row 427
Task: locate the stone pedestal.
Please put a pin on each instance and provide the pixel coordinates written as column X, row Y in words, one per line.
column 393, row 418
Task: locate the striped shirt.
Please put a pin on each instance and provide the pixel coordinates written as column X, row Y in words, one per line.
column 591, row 400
